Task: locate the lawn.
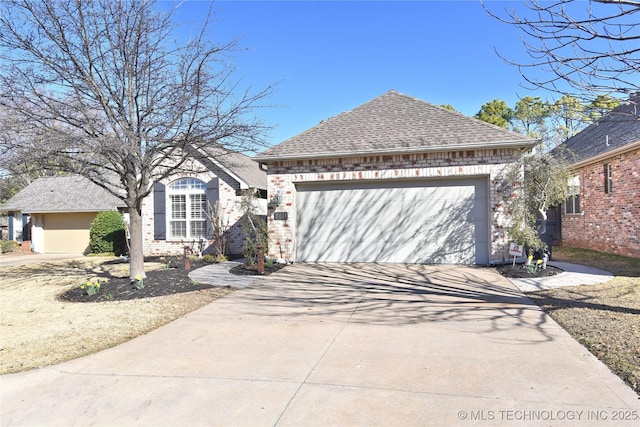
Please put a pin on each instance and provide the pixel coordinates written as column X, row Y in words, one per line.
column 38, row 327
column 605, row 318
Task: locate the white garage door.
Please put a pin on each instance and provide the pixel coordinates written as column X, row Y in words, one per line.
column 427, row 221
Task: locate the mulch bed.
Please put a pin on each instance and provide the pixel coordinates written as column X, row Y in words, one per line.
column 520, row 272
column 173, row 279
column 252, row 270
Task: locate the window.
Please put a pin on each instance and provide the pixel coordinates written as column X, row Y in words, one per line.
column 187, row 204
column 572, row 204
column 608, row 179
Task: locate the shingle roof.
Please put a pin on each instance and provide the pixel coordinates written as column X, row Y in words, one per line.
column 74, row 193
column 393, row 122
column 619, row 128
column 243, row 167
column 70, row 193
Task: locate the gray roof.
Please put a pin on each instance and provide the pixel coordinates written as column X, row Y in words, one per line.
column 396, row 123
column 70, row 193
column 238, row 165
column 74, row 193
column 619, row 128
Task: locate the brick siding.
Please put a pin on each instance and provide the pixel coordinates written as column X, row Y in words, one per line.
column 610, row 222
column 229, row 203
column 283, row 175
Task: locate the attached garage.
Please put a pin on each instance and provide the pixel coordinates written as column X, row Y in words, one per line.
column 66, row 233
column 395, row 180
column 426, row 221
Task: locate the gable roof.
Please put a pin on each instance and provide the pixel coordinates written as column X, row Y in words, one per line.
column 394, row 123
column 74, row 193
column 241, row 167
column 613, row 132
column 69, row 193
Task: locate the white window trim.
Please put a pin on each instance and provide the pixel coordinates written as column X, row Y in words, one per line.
column 169, row 209
column 574, row 190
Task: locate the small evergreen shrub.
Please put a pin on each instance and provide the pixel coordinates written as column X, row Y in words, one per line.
column 107, row 233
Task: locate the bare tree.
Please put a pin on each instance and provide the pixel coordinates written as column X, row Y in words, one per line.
column 586, row 48
column 220, row 227
column 107, row 89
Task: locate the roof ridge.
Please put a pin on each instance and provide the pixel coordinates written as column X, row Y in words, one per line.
column 393, row 121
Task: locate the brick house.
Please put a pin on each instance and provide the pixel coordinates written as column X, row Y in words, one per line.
column 603, row 211
column 394, row 180
column 55, row 213
column 221, row 176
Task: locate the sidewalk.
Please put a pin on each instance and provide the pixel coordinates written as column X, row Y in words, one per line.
column 573, row 275
column 218, row 275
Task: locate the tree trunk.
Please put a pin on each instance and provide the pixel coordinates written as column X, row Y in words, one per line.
column 542, row 228
column 136, row 254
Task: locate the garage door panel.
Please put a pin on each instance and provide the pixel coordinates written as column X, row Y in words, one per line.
column 414, row 222
column 67, row 232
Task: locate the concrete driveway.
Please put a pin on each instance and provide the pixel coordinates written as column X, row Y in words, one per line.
column 343, row 345
column 32, row 258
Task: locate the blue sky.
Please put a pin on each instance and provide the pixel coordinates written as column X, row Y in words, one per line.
column 332, row 56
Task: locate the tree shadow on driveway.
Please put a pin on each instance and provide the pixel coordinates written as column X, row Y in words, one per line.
column 398, row 294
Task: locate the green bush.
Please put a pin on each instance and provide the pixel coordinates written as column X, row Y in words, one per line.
column 107, row 233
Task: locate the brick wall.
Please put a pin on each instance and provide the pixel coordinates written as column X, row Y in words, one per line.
column 229, row 204
column 610, row 222
column 283, row 175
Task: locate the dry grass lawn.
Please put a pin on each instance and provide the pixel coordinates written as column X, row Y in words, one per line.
column 604, row 318
column 37, row 329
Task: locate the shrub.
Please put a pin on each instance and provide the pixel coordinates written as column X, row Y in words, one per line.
column 212, row 259
column 8, row 246
column 254, row 226
column 107, row 233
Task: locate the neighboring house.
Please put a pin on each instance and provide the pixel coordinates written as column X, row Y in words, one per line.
column 603, row 211
column 62, row 208
column 394, row 180
column 55, row 213
column 4, row 227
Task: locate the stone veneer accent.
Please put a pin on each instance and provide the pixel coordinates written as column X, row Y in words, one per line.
column 283, row 175
column 611, row 222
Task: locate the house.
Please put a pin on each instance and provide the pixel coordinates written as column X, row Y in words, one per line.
column 170, row 221
column 55, row 213
column 4, row 227
column 394, row 180
column 603, row 211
